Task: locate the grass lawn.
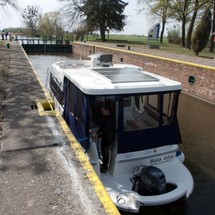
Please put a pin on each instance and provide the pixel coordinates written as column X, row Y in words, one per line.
column 142, row 41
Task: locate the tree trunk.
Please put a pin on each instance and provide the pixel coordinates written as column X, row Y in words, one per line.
column 102, row 33
column 213, row 30
column 184, row 16
column 183, row 42
column 162, row 31
column 190, row 29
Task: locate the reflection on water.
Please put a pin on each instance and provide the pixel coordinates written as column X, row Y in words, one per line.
column 197, row 123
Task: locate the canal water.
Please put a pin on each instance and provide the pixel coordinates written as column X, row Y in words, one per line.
column 197, row 124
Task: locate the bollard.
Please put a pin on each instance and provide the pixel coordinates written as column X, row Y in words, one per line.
column 129, row 47
column 8, row 45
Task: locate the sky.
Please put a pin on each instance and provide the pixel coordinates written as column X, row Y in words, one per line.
column 137, row 22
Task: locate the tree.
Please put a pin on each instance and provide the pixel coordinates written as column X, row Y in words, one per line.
column 11, row 3
column 101, row 15
column 80, row 30
column 181, row 9
column 51, row 24
column 184, row 11
column 31, row 17
column 161, row 9
column 4, row 3
column 202, row 33
column 198, row 4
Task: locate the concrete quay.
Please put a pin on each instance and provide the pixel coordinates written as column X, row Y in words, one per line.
column 40, row 173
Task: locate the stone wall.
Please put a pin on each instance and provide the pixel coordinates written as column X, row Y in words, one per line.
column 197, row 80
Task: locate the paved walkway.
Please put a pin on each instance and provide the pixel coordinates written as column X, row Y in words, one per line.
column 39, row 173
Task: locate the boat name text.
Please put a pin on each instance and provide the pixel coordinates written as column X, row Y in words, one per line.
column 162, row 159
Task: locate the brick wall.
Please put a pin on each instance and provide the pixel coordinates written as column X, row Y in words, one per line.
column 203, row 76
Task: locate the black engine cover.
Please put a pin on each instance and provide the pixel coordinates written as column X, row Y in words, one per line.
column 151, row 181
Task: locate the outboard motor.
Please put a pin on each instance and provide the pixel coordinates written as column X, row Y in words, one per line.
column 150, row 181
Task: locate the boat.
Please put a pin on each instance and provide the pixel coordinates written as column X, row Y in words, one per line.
column 146, row 165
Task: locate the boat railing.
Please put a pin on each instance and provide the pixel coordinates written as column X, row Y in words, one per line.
column 60, row 84
column 47, row 77
column 62, row 64
column 74, row 64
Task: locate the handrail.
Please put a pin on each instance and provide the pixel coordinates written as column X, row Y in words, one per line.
column 40, row 41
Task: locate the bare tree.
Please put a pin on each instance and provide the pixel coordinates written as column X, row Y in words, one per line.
column 73, row 11
column 30, row 17
column 51, row 24
column 11, row 3
column 181, row 10
column 160, row 9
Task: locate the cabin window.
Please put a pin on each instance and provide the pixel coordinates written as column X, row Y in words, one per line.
column 141, row 111
column 55, row 88
column 72, row 98
column 79, row 109
column 169, row 107
column 76, row 98
column 76, row 112
column 147, row 121
column 148, row 111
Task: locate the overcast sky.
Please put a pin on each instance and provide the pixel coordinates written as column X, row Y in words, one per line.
column 136, row 22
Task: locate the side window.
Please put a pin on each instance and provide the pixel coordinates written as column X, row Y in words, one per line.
column 148, row 111
column 169, row 107
column 79, row 107
column 141, row 111
column 55, row 88
column 72, row 95
column 153, row 103
column 76, row 102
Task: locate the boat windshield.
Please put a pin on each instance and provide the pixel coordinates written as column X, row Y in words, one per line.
column 148, row 121
column 148, row 111
column 143, row 121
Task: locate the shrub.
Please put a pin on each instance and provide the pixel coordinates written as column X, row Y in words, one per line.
column 173, row 36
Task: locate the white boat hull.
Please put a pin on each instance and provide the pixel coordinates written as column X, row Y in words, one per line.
column 120, row 188
column 118, row 180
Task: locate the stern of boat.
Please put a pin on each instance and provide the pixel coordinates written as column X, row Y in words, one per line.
column 119, row 181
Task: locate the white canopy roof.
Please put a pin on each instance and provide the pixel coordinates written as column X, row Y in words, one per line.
column 117, row 79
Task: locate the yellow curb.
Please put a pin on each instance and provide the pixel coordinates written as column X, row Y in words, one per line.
column 100, row 190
